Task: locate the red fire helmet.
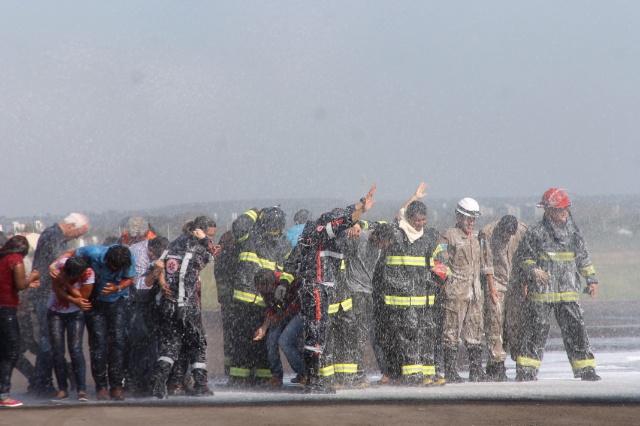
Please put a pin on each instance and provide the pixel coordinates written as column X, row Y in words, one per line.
column 555, row 198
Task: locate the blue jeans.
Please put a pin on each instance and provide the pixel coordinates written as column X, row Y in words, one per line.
column 106, row 325
column 73, row 324
column 42, row 379
column 285, row 336
column 9, row 347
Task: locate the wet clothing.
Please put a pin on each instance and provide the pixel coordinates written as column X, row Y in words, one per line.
column 499, row 251
column 223, row 269
column 316, row 260
column 51, row 244
column 405, row 291
column 181, row 331
column 9, row 329
column 256, row 250
column 562, row 253
column 106, row 320
column 460, row 255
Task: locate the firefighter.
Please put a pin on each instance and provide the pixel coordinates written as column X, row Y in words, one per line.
column 316, row 263
column 261, row 244
column 499, row 240
column 554, row 255
column 181, row 331
column 406, row 291
column 457, row 260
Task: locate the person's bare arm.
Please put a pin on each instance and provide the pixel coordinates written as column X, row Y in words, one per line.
column 20, row 277
column 365, row 204
column 419, row 194
column 53, row 270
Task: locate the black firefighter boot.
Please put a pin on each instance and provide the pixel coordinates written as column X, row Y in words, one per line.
column 496, row 372
column 200, row 383
column 312, row 365
column 158, row 383
column 476, row 373
column 450, row 359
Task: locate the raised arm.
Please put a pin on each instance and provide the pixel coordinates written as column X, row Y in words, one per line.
column 419, row 194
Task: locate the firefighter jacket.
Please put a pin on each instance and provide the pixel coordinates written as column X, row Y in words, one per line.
column 319, row 256
column 256, row 250
column 562, row 253
column 224, row 267
column 457, row 260
column 404, row 278
column 184, row 258
column 498, row 251
column 340, row 296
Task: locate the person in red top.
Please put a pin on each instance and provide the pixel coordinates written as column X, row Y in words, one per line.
column 13, row 278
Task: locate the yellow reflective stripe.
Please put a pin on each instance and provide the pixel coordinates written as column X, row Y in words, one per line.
column 429, row 370
column 346, row 368
column 244, row 237
column 239, row 372
column 249, row 256
column 243, row 296
column 286, row 277
column 347, row 304
column 432, row 300
column 334, row 308
column 406, row 261
column 568, row 296
column 528, row 264
column 365, row 224
column 343, row 265
column 528, row 362
column 405, row 300
column 440, row 248
column 327, row 371
column 583, row 363
column 252, row 214
column 227, row 361
column 589, row 270
column 263, row 373
column 562, row 256
column 411, row 369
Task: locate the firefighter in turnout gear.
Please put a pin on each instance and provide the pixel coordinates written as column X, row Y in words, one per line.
column 261, row 244
column 457, row 260
column 317, row 263
column 406, row 293
column 181, row 331
column 499, row 240
column 554, row 255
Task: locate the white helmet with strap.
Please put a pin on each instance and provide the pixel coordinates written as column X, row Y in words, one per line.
column 468, row 207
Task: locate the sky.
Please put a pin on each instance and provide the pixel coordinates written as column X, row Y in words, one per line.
column 124, row 105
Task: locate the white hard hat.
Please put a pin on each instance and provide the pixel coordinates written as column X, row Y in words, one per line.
column 468, row 207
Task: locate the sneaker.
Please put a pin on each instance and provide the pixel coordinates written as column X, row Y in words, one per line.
column 83, row 396
column 384, row 380
column 363, row 384
column 102, row 395
column 9, row 402
column 438, row 380
column 62, row 395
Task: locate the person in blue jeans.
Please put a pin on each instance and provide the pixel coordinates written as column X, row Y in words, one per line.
column 70, row 297
column 282, row 326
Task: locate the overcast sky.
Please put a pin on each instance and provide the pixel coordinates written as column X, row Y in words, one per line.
column 139, row 104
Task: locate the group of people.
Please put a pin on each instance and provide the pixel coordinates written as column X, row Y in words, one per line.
column 318, row 291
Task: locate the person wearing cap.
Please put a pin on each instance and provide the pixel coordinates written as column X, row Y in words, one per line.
column 553, row 255
column 458, row 260
column 499, row 241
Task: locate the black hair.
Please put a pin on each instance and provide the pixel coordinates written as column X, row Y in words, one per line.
column 508, row 224
column 17, row 244
column 74, row 267
column 302, row 216
column 200, row 222
column 416, row 207
column 383, row 232
column 157, row 245
column 118, row 257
